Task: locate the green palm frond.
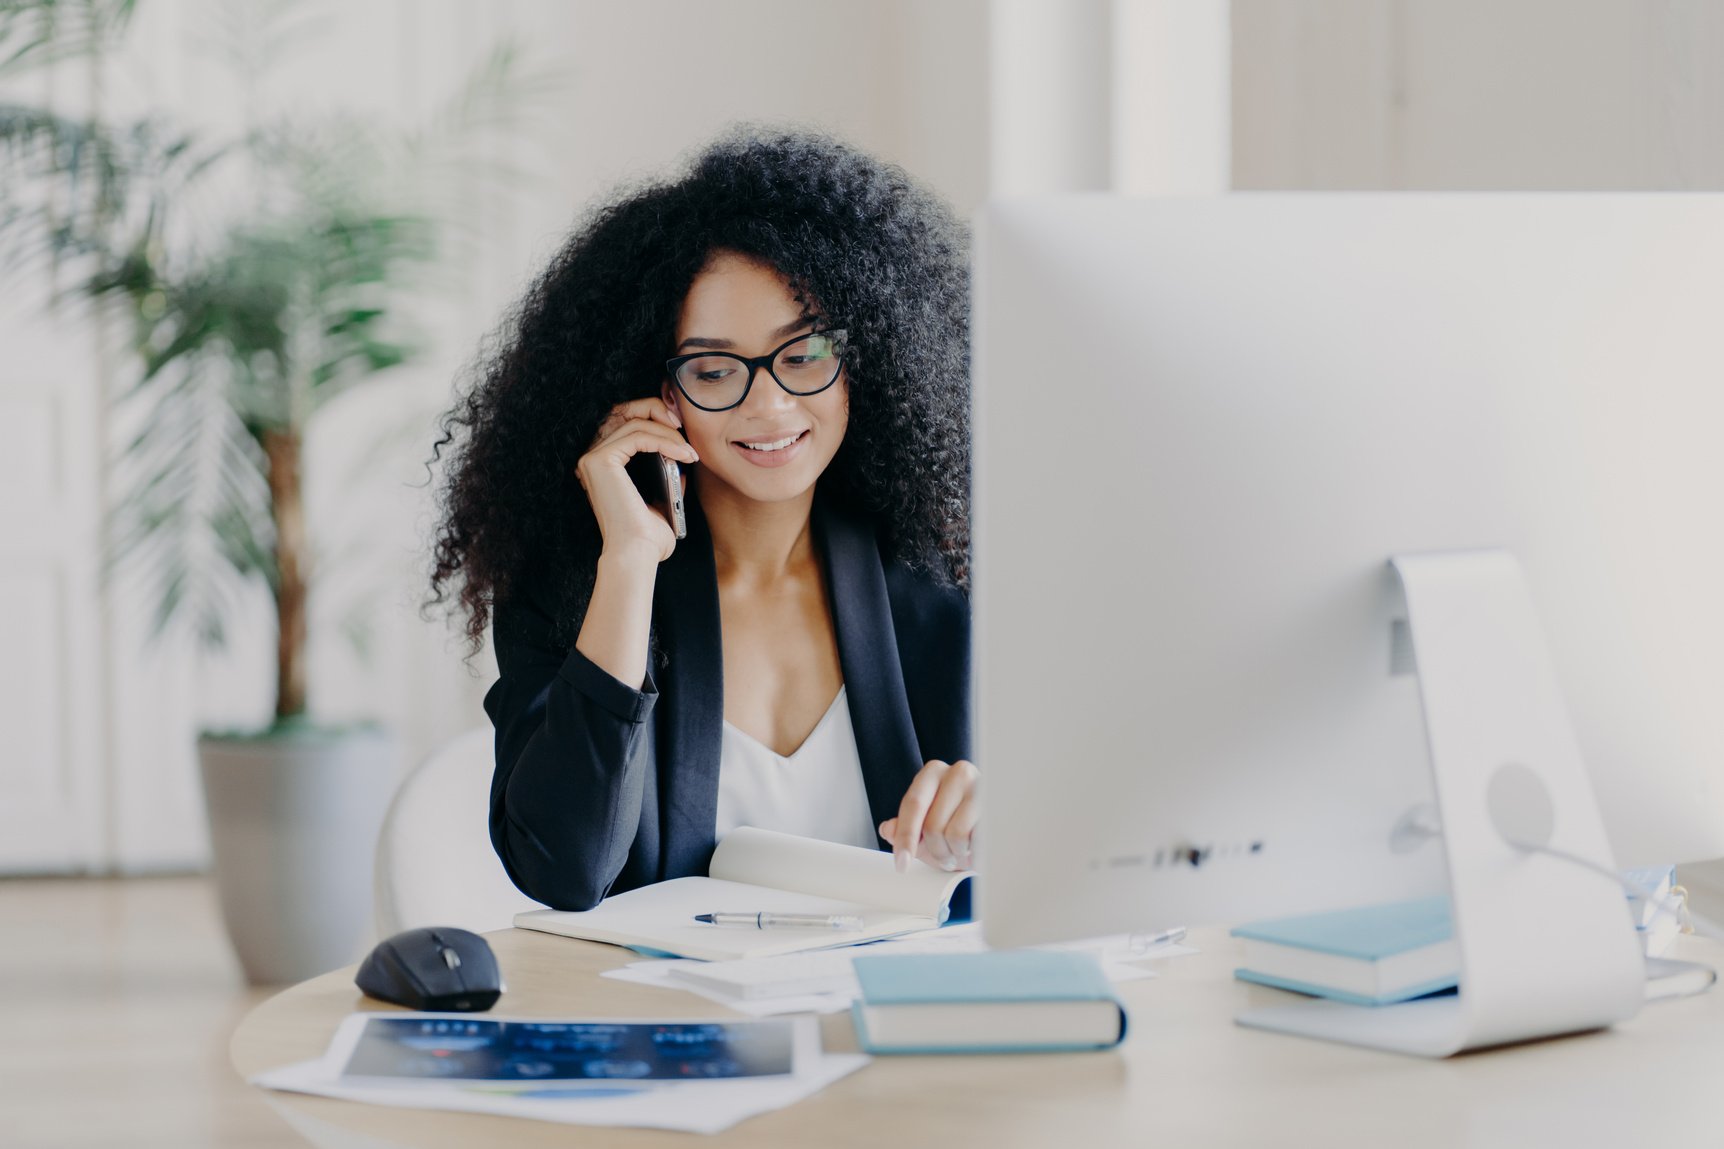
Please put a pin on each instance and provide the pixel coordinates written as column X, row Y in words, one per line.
column 91, row 202
column 37, row 33
column 192, row 520
column 277, row 324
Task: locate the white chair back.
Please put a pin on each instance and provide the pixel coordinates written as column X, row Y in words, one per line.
column 435, row 864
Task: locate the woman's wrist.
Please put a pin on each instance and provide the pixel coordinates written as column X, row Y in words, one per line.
column 630, row 561
column 619, row 616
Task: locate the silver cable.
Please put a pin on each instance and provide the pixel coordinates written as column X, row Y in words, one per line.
column 1671, row 904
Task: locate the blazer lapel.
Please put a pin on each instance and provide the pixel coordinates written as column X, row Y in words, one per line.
column 691, row 686
column 868, row 656
column 685, row 611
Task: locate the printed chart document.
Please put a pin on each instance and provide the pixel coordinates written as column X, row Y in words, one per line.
column 701, row 1077
column 754, row 870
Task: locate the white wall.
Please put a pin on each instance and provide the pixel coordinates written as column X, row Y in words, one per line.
column 1172, row 97
column 1129, row 96
column 1478, row 94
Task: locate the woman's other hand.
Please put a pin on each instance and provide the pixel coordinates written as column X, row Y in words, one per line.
column 937, row 818
column 628, row 524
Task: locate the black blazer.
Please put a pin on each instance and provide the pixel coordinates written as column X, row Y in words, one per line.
column 600, row 788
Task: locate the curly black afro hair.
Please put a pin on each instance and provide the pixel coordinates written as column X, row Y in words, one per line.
column 860, row 243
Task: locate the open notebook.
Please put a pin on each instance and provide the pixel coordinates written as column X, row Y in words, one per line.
column 755, row 869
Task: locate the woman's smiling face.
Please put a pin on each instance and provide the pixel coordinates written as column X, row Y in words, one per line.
column 744, row 307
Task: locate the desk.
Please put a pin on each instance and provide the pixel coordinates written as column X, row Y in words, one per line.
column 1186, row 1074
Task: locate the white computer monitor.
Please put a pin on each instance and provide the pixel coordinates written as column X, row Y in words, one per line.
column 1203, row 428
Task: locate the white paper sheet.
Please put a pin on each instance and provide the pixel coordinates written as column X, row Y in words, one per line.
column 691, row 1106
column 1118, row 960
column 658, row 973
column 1123, row 949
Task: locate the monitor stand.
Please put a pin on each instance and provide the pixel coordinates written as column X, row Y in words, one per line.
column 1546, row 947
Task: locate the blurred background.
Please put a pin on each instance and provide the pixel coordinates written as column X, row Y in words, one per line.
column 974, row 98
column 464, row 140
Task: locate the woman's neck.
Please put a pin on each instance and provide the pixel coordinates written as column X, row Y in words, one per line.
column 757, row 543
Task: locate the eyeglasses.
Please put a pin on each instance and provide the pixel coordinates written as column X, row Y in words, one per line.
column 718, row 381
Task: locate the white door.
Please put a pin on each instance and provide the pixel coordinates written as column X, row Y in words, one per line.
column 52, row 694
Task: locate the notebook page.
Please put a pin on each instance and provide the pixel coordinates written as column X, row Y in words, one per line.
column 661, row 916
column 833, row 870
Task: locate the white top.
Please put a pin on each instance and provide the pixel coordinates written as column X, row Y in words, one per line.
column 817, row 792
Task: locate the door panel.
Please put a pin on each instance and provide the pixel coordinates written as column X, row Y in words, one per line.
column 51, row 678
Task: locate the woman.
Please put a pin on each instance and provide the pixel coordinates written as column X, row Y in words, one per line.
column 787, row 321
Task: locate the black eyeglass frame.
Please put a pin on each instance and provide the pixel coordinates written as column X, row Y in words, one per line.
column 840, row 336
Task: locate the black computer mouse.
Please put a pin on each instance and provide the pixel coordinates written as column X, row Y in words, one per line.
column 441, row 969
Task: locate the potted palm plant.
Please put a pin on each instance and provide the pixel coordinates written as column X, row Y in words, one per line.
column 242, row 324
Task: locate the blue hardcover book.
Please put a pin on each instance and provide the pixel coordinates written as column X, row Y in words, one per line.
column 1001, row 1001
column 1659, row 921
column 1370, row 955
column 1657, row 880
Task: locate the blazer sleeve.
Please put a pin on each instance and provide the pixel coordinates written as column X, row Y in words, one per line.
column 567, row 791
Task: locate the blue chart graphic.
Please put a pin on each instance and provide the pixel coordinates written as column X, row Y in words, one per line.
column 524, row 1052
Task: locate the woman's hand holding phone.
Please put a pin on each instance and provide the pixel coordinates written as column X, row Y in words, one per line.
column 629, row 525
column 637, row 537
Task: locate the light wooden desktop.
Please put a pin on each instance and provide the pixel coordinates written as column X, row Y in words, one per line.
column 1185, row 1075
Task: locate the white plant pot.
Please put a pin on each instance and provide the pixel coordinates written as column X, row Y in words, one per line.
column 293, row 829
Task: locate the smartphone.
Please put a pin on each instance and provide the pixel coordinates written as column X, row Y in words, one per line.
column 659, row 480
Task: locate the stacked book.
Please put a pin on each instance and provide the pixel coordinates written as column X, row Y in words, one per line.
column 1371, row 955
column 1657, row 922
column 1376, row 955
